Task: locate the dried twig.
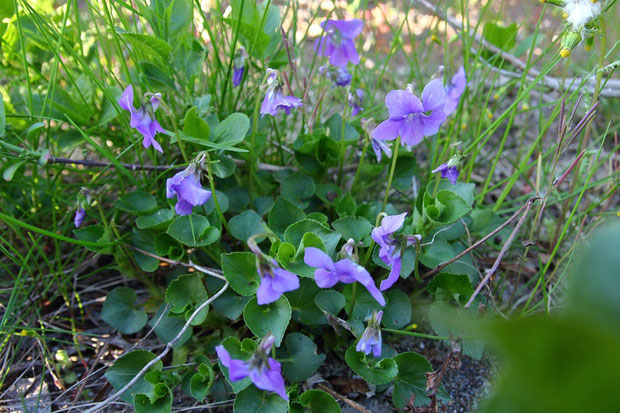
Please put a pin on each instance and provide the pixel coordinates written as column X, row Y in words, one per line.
column 502, row 252
column 209, row 271
column 151, row 363
column 348, row 401
column 612, row 86
column 478, row 243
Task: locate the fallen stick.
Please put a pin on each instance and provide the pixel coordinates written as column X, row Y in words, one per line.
column 151, row 363
column 478, row 243
column 502, row 252
column 348, row 401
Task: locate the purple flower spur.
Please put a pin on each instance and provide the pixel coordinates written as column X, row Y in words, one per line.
column 337, row 41
column 264, row 371
column 185, row 185
column 328, row 272
column 143, row 119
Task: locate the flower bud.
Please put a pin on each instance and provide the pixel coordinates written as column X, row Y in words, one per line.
column 569, row 42
column 553, row 2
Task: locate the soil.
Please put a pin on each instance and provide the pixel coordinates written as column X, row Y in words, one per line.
column 467, row 385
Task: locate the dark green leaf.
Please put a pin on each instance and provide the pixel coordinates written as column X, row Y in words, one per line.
column 253, row 400
column 159, row 401
column 193, row 231
column 302, row 358
column 119, row 311
column 411, row 379
column 246, row 224
column 158, row 220
column 283, row 214
column 185, row 294
column 138, row 203
column 239, row 268
column 232, row 130
column 318, row 401
column 397, row 312
column 269, row 318
column 125, row 369
column 357, row 228
column 373, row 370
column 330, row 301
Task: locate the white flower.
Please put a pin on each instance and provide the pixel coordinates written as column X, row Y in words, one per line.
column 581, row 12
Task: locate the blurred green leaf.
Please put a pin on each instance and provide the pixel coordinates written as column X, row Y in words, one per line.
column 138, row 203
column 195, row 126
column 148, row 45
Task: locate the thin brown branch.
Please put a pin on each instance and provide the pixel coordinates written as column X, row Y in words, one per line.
column 348, row 401
column 478, row 243
column 209, row 271
column 151, row 363
column 502, row 252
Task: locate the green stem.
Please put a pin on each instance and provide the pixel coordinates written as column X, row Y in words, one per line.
column 342, row 141
column 232, row 54
column 173, row 120
column 279, row 137
column 214, row 195
column 359, row 166
column 392, row 168
column 252, row 139
column 352, row 302
column 599, row 77
column 413, row 334
column 416, row 269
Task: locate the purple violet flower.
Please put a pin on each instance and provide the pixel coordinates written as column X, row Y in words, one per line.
column 339, row 76
column 79, row 217
column 454, row 90
column 337, row 41
column 238, row 75
column 275, row 281
column 380, row 147
column 265, row 372
column 355, row 101
column 239, row 64
column 185, row 185
column 371, row 339
column 143, row 119
column 390, row 250
column 410, row 118
column 274, row 99
column 448, row 171
column 328, row 272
